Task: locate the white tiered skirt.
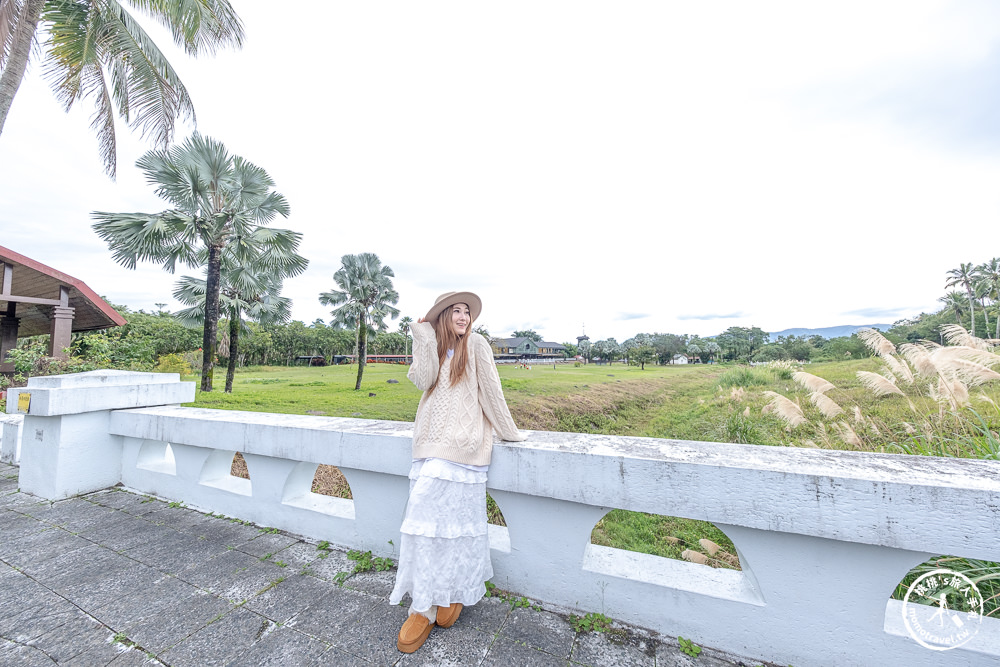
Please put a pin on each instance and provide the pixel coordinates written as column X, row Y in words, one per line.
column 444, row 553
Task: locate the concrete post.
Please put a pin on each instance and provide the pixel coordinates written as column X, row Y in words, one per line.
column 66, row 446
column 61, row 331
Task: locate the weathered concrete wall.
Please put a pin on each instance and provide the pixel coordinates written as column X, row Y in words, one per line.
column 823, row 537
column 10, row 438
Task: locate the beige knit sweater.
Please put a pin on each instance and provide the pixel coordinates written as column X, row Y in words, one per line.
column 456, row 423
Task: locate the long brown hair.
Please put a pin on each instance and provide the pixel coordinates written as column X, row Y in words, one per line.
column 447, row 339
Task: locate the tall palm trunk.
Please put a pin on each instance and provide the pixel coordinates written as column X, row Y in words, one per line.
column 972, row 309
column 362, row 351
column 17, row 62
column 234, row 348
column 212, row 286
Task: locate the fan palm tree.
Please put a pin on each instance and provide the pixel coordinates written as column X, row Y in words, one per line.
column 964, row 275
column 246, row 290
column 96, row 49
column 366, row 296
column 404, row 328
column 221, row 204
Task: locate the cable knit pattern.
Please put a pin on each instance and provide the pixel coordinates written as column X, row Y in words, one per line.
column 456, row 423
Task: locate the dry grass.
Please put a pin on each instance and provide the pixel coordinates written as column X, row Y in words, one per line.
column 329, row 481
column 600, row 405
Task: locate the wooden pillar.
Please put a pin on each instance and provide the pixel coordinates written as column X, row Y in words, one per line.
column 60, row 333
column 8, row 337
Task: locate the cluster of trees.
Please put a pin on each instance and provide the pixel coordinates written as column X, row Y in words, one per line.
column 979, row 296
column 740, row 344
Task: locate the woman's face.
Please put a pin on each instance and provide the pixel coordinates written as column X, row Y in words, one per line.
column 461, row 318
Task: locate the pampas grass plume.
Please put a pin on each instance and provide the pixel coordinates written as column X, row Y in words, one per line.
column 786, row 409
column 694, row 556
column 878, row 384
column 876, row 342
column 826, row 405
column 812, row 382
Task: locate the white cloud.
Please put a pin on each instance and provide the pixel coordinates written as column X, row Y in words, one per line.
column 571, row 162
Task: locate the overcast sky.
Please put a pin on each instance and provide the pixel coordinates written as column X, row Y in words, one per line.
column 629, row 167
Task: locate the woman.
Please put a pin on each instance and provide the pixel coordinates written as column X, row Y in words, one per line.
column 444, row 554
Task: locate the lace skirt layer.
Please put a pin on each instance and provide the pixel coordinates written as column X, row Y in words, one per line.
column 444, row 551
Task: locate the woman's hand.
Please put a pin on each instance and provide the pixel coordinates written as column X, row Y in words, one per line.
column 420, row 320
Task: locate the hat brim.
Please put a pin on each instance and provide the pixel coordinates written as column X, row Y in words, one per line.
column 474, row 303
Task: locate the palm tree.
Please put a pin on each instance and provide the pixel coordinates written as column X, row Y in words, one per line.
column 404, row 328
column 989, row 276
column 964, row 275
column 221, row 203
column 365, row 298
column 96, row 49
column 956, row 303
column 245, row 290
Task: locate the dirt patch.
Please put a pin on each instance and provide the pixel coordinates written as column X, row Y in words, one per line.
column 595, row 408
column 329, row 481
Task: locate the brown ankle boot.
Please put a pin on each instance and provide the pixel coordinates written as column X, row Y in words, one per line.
column 447, row 616
column 414, row 633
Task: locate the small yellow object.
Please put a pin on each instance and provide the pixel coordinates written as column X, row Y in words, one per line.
column 23, row 402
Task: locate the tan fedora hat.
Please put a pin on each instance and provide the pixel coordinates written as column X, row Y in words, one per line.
column 449, row 299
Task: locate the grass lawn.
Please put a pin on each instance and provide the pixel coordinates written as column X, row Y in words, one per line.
column 694, row 402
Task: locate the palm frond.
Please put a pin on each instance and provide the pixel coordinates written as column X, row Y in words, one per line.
column 196, row 25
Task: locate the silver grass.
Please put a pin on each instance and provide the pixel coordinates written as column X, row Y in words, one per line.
column 826, row 405
column 920, row 358
column 876, row 342
column 878, row 384
column 694, row 556
column 847, row 434
column 786, row 409
column 708, row 545
column 812, row 382
column 858, row 417
column 957, row 335
column 970, row 373
column 899, row 369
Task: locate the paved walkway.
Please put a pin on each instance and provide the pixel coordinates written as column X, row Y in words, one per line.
column 117, row 578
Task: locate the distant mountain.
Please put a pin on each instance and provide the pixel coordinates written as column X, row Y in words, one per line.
column 829, row 332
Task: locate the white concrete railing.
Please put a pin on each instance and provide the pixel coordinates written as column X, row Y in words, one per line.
column 823, row 536
column 10, row 438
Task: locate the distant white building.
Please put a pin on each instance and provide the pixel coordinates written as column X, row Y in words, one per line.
column 680, row 359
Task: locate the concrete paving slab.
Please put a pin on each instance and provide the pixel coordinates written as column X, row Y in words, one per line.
column 616, row 647
column 111, row 581
column 161, row 627
column 221, row 642
column 507, row 652
column 79, row 634
column 539, row 629
column 289, row 597
column 94, row 592
column 12, row 653
column 372, row 636
column 267, row 543
column 286, row 646
column 488, row 615
column 174, row 552
column 233, row 575
column 338, row 609
column 299, row 554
